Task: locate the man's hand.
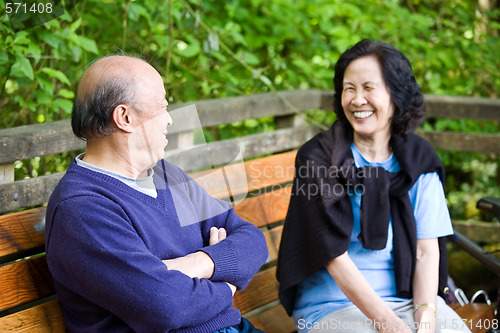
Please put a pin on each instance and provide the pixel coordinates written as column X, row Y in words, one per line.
column 217, row 235
column 198, row 264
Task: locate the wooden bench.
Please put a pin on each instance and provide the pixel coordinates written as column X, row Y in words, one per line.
column 27, row 298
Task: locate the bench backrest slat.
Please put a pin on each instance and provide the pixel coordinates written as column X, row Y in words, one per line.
column 24, row 281
column 260, row 174
column 267, row 208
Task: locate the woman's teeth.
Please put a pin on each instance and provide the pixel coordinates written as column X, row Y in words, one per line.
column 362, row 114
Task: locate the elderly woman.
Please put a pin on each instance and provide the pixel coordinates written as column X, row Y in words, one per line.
column 362, row 247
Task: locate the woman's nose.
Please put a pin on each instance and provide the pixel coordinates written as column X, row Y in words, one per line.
column 359, row 99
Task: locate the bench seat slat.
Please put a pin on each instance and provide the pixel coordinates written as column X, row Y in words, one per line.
column 44, row 318
column 263, row 289
column 22, row 231
column 273, row 320
column 24, row 281
column 271, row 246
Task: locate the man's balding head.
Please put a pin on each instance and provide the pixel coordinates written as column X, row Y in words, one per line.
column 107, row 83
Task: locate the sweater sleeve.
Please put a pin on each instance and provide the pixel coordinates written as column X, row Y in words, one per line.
column 93, row 251
column 242, row 253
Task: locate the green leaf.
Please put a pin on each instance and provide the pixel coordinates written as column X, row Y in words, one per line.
column 22, row 38
column 44, row 82
column 87, row 44
column 22, row 67
column 75, row 25
column 56, row 74
column 249, row 58
column 66, row 93
column 42, row 97
column 251, row 123
column 63, row 104
column 190, row 49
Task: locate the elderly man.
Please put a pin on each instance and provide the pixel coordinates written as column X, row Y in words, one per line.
column 120, row 257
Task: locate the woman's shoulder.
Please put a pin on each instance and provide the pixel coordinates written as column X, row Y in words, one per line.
column 319, row 145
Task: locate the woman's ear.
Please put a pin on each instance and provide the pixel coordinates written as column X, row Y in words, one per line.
column 122, row 116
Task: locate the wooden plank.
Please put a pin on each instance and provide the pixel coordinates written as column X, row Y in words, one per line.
column 274, row 320
column 28, row 192
column 256, row 175
column 24, row 281
column 479, row 232
column 22, row 231
column 326, row 98
column 271, row 246
column 462, row 142
column 269, row 171
column 29, row 141
column 230, row 109
column 294, row 120
column 477, row 316
column 44, row 318
column 6, row 173
column 275, row 203
column 250, row 210
column 23, row 142
column 276, row 235
column 222, row 152
column 262, row 290
column 266, row 208
column 457, row 107
column 50, row 138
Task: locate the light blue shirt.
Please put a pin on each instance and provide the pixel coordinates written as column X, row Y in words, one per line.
column 319, row 295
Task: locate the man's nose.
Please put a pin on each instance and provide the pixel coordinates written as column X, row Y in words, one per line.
column 169, row 120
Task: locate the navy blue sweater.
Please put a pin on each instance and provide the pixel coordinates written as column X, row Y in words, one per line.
column 105, row 243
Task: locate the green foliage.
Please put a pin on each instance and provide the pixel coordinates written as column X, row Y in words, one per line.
column 212, row 49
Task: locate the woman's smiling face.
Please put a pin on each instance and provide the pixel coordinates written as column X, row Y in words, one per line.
column 366, row 99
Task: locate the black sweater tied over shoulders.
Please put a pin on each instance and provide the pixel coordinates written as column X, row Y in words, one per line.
column 319, row 221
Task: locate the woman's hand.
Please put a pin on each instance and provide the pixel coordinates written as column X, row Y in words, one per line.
column 358, row 290
column 425, row 283
column 427, row 320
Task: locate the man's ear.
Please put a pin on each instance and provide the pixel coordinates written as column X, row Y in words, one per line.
column 122, row 116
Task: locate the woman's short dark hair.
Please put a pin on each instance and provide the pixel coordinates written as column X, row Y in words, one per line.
column 398, row 77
